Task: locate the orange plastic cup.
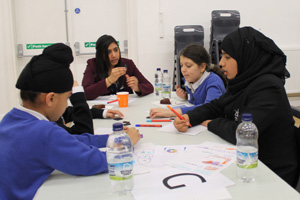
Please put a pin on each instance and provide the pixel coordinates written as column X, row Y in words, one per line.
column 123, row 99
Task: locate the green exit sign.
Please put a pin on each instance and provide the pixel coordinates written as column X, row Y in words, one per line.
column 38, row 46
column 92, row 44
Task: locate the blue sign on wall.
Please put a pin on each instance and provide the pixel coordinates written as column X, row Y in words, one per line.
column 77, row 10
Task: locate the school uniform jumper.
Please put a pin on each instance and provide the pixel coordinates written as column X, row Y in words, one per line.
column 31, row 149
column 211, row 88
column 79, row 114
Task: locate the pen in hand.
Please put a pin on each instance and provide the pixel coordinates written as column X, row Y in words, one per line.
column 176, row 113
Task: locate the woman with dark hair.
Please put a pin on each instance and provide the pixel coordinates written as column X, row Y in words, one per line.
column 108, row 73
column 255, row 68
column 203, row 81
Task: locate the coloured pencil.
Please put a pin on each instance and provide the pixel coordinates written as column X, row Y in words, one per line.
column 112, row 101
column 159, row 120
column 148, row 125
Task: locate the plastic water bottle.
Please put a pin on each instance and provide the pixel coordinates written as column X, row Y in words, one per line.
column 119, row 155
column 166, row 85
column 158, row 82
column 247, row 149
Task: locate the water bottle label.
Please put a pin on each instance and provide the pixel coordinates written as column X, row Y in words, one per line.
column 247, row 160
column 166, row 89
column 120, row 171
column 121, row 139
column 157, row 86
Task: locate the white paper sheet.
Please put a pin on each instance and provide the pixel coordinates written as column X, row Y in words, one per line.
column 143, row 154
column 105, row 99
column 191, row 131
column 151, row 186
column 102, row 99
column 165, row 153
column 207, row 158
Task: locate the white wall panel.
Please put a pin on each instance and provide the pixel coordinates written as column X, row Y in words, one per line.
column 43, row 21
column 39, row 22
column 276, row 19
column 9, row 94
column 96, row 17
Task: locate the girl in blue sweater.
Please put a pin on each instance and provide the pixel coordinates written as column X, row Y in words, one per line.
column 203, row 81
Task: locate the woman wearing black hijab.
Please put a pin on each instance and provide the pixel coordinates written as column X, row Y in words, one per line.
column 255, row 69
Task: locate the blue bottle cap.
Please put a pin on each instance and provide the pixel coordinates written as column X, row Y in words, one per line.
column 247, row 117
column 165, row 71
column 117, row 127
column 158, row 69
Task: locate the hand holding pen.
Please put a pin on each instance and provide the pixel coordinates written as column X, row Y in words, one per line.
column 182, row 125
column 116, row 73
column 133, row 83
column 178, row 115
column 133, row 133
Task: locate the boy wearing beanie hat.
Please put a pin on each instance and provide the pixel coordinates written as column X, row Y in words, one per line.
column 32, row 145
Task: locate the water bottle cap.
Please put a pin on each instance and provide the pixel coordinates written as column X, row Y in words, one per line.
column 158, row 69
column 165, row 71
column 117, row 127
column 247, row 117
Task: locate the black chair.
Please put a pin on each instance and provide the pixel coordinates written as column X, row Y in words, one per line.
column 223, row 22
column 185, row 35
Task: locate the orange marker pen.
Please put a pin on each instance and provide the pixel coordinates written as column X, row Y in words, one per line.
column 176, row 113
column 112, row 101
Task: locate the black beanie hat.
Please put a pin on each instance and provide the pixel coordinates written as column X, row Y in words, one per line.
column 48, row 72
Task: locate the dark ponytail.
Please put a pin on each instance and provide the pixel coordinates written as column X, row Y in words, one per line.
column 199, row 55
column 217, row 70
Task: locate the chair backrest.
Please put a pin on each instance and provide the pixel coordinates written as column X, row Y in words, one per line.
column 223, row 22
column 185, row 35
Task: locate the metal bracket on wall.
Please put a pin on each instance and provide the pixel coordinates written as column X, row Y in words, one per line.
column 77, row 49
column 21, row 53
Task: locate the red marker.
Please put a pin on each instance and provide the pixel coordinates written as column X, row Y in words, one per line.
column 159, row 120
column 112, row 101
column 148, row 125
column 176, row 113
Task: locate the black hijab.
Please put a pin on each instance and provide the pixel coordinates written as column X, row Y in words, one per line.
column 255, row 54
